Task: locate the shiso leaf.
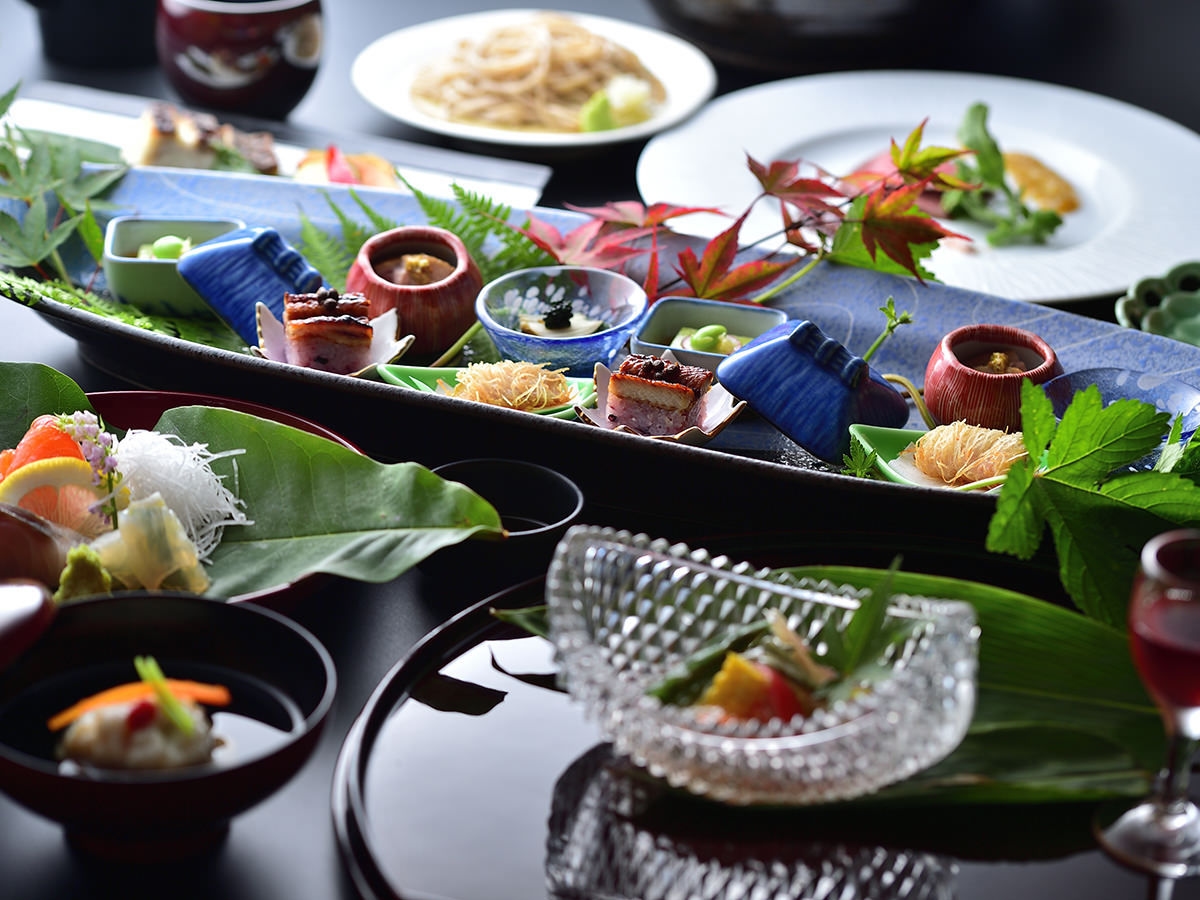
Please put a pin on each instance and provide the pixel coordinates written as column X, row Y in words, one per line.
column 1079, row 482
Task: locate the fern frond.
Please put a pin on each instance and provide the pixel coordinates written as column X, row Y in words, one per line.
column 328, row 255
column 379, row 222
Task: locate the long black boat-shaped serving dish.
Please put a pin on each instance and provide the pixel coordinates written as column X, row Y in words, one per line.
column 749, row 478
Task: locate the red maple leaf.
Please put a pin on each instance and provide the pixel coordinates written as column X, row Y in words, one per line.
column 631, row 212
column 892, row 223
column 584, row 245
column 714, row 276
column 782, row 180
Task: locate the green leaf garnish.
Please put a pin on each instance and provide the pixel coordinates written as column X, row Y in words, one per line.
column 149, row 671
column 1081, row 483
column 1015, row 222
column 317, row 506
column 859, row 462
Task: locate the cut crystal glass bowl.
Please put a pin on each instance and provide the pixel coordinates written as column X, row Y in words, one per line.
column 625, row 610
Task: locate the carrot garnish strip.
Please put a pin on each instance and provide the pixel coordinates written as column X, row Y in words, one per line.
column 199, row 691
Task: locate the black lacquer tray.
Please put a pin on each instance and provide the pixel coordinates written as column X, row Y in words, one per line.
column 469, row 775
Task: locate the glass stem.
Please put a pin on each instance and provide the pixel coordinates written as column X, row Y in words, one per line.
column 1173, row 785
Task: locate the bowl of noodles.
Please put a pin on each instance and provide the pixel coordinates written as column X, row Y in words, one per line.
column 534, row 77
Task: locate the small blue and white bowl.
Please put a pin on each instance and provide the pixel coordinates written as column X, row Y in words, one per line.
column 154, row 286
column 610, row 297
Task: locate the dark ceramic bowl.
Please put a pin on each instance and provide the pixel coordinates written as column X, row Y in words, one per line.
column 800, row 36
column 142, row 409
column 536, row 504
column 955, row 390
column 281, row 679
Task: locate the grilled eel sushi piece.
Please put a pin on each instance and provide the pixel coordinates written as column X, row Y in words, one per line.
column 655, row 396
column 328, row 331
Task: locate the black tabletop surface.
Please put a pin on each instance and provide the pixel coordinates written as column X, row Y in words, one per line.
column 1142, row 53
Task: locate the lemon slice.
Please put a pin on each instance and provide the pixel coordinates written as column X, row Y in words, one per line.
column 59, row 489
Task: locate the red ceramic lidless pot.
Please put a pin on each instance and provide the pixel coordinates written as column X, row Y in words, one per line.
column 427, row 276
column 976, row 372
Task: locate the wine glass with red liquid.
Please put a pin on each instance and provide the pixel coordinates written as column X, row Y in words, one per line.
column 1162, row 834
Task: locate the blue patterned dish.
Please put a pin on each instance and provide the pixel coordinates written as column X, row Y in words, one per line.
column 614, row 299
column 243, row 268
column 1164, row 393
column 811, row 388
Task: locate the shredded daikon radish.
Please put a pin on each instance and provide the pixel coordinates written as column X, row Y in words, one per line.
column 517, row 385
column 152, row 463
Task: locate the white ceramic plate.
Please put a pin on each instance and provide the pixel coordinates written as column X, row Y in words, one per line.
column 383, row 72
column 1124, row 163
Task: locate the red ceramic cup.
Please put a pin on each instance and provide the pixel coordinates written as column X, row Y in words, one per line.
column 955, row 389
column 256, row 57
column 436, row 314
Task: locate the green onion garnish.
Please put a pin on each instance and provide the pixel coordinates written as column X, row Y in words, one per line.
column 150, row 672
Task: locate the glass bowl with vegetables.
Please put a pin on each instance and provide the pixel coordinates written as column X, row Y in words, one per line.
column 141, row 255
column 569, row 317
column 752, row 687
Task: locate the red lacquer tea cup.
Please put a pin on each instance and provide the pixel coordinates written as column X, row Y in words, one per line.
column 257, row 57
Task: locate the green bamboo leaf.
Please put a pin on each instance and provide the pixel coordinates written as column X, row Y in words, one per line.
column 320, row 507
column 316, row 505
column 29, row 389
column 1060, row 716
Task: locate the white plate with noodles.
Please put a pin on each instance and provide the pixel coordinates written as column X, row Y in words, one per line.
column 467, row 66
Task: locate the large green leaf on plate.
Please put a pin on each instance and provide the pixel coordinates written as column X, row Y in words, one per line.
column 316, row 505
column 1061, row 713
column 1060, row 716
column 320, row 507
